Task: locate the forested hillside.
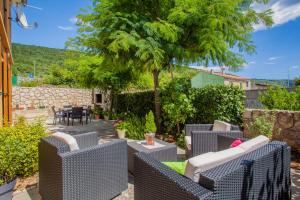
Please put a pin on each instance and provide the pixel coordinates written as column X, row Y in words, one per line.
column 44, row 58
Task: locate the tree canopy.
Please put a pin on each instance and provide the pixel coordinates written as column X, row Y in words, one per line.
column 151, row 35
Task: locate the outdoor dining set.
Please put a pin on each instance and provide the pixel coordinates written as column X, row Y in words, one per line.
column 80, row 113
column 79, row 167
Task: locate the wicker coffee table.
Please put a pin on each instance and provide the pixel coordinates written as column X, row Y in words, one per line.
column 163, row 152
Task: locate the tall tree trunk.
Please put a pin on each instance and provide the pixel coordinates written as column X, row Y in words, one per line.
column 171, row 71
column 157, row 100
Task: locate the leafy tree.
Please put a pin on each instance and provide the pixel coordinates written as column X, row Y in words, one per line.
column 150, row 35
column 92, row 73
column 60, row 76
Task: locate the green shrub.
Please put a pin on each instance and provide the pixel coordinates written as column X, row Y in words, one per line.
column 139, row 103
column 280, row 98
column 180, row 140
column 135, row 127
column 33, row 83
column 150, row 126
column 177, row 104
column 122, row 126
column 262, row 125
column 218, row 103
column 19, row 149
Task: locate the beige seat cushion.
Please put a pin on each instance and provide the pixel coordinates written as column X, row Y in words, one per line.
column 207, row 161
column 221, row 126
column 67, row 139
column 254, row 143
column 188, row 142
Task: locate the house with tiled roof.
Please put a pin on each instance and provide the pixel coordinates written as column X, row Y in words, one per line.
column 211, row 77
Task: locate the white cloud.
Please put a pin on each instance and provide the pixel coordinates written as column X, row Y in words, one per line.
column 274, row 58
column 284, row 11
column 65, row 28
column 295, row 67
column 252, row 62
column 269, row 63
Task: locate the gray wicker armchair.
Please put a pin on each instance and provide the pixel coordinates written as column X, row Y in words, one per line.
column 261, row 174
column 204, row 140
column 93, row 172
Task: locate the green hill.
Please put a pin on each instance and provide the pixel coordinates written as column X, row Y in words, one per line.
column 44, row 58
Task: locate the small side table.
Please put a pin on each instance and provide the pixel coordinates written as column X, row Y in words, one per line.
column 166, row 152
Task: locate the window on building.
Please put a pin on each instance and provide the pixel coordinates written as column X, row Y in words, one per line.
column 98, row 98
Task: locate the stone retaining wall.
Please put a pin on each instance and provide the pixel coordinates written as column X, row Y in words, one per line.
column 287, row 125
column 27, row 98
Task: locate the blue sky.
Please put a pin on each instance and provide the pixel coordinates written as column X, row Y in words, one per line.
column 278, row 48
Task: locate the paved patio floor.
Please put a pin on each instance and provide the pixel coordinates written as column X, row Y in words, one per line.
column 106, row 130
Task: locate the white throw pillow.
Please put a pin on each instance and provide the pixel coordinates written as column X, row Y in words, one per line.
column 254, row 143
column 221, row 126
column 68, row 139
column 207, row 161
column 188, row 142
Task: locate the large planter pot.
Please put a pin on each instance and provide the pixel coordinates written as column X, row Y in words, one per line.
column 121, row 134
column 6, row 190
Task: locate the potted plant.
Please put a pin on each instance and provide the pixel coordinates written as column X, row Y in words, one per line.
column 98, row 112
column 121, row 129
column 150, row 128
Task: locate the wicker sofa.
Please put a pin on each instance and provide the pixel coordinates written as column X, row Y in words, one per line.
column 204, row 140
column 261, row 174
column 92, row 172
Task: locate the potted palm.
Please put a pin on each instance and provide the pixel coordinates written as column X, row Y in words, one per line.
column 121, row 129
column 150, row 128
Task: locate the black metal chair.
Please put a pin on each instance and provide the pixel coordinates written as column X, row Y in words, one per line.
column 57, row 115
column 88, row 114
column 77, row 113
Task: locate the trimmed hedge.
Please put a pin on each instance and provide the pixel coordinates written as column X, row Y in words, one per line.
column 218, row 103
column 139, row 103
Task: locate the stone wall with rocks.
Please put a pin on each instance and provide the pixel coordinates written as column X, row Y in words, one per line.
column 286, row 128
column 28, row 98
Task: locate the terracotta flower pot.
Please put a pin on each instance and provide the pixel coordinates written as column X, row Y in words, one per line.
column 149, row 137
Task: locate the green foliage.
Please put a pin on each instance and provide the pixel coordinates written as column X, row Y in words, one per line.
column 135, row 127
column 33, row 83
column 44, row 58
column 218, row 103
column 123, row 126
column 177, row 104
column 139, row 103
column 60, row 76
column 281, row 99
column 180, row 140
column 98, row 110
column 149, row 35
column 19, row 149
column 150, row 126
column 262, row 125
